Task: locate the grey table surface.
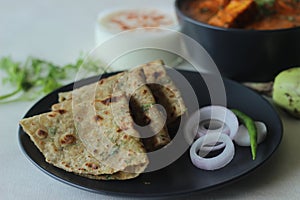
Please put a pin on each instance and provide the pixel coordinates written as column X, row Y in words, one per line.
column 59, row 30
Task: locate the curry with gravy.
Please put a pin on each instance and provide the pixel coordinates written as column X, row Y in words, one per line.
column 246, row 14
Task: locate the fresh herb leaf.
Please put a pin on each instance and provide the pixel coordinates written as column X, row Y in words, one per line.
column 37, row 76
column 265, row 7
column 52, row 130
column 146, row 107
column 265, row 2
column 291, row 18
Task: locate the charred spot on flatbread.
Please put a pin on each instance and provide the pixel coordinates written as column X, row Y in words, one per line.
column 67, row 139
column 41, row 133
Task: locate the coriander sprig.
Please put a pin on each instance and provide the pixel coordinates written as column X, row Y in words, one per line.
column 265, row 2
column 36, row 76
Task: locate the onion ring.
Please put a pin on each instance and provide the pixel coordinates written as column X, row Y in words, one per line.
column 214, row 163
column 242, row 137
column 212, row 119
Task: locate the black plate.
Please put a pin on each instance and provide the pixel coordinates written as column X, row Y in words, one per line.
column 180, row 177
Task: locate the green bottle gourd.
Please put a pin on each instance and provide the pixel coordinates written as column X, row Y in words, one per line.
column 286, row 91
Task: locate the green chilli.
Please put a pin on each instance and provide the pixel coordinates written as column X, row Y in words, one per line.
column 250, row 125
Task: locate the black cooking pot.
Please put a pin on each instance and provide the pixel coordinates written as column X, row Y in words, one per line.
column 244, row 55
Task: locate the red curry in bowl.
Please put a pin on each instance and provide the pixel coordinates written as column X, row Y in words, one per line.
column 246, row 14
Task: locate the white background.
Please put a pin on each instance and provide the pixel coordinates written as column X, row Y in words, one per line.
column 59, row 30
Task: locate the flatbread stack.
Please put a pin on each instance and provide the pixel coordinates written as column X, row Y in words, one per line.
column 104, row 130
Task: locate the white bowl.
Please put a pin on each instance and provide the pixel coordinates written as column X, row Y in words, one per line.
column 144, row 42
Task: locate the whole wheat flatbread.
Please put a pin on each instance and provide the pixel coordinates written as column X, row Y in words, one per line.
column 55, row 135
column 60, row 136
column 164, row 90
column 150, row 120
column 142, row 102
column 161, row 85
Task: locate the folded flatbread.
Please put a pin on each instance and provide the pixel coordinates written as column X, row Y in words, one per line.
column 150, row 120
column 55, row 135
column 109, row 152
column 164, row 90
column 161, row 85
